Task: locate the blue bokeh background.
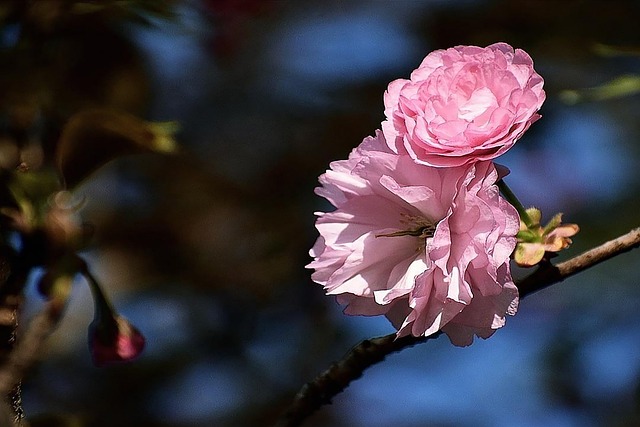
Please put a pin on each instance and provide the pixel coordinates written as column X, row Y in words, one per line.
column 204, row 252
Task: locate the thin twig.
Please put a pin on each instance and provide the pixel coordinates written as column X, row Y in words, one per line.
column 549, row 274
column 340, row 374
column 334, row 380
column 27, row 351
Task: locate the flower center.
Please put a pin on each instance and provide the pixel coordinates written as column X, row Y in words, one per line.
column 416, row 226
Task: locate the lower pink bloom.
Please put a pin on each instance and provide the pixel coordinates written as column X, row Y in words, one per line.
column 427, row 247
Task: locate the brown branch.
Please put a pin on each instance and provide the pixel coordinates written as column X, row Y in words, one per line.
column 549, row 274
column 27, row 351
column 334, row 380
column 24, row 355
column 319, row 392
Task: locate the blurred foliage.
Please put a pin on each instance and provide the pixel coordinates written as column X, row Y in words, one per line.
column 93, row 137
column 205, row 246
column 626, row 85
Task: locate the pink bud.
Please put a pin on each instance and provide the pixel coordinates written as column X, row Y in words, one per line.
column 119, row 342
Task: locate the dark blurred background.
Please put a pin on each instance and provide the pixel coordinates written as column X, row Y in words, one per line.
column 205, row 250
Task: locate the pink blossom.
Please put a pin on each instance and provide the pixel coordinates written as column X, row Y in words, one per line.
column 427, row 247
column 463, row 104
column 116, row 341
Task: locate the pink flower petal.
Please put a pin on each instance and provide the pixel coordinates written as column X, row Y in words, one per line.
column 463, row 104
column 428, row 247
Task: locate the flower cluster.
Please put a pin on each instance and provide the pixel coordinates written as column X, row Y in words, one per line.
column 420, row 233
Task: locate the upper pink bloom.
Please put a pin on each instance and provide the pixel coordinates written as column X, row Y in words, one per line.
column 463, row 104
column 428, row 247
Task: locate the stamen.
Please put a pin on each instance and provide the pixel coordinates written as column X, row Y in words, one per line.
column 423, row 230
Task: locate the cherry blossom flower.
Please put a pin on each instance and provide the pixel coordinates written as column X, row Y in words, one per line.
column 463, row 104
column 427, row 247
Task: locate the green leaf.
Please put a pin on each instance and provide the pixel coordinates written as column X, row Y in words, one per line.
column 535, row 215
column 552, row 224
column 529, row 236
column 92, row 138
column 625, row 85
column 528, row 254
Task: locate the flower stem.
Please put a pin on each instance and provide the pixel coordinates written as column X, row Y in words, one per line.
column 511, row 198
column 104, row 310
